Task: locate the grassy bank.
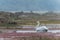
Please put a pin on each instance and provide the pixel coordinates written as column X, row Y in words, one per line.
column 33, row 22
column 29, row 22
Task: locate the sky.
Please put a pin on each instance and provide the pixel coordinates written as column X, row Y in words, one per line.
column 29, row 5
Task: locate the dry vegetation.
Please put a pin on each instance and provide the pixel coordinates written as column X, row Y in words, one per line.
column 10, row 19
column 37, row 38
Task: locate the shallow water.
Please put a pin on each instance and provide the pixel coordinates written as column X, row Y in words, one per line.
column 29, row 31
column 54, row 31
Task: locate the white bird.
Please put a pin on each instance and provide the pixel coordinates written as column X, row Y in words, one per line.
column 40, row 28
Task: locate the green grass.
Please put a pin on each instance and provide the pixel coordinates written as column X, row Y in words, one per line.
column 32, row 22
column 29, row 22
column 7, row 25
column 51, row 22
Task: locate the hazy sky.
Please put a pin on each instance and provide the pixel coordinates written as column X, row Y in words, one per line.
column 28, row 5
